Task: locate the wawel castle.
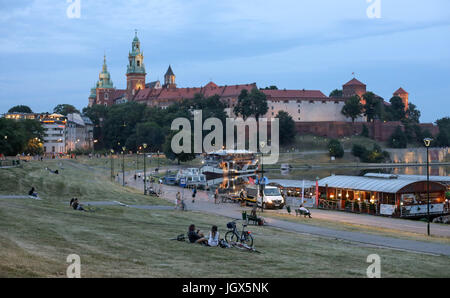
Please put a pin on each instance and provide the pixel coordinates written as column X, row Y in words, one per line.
column 303, row 105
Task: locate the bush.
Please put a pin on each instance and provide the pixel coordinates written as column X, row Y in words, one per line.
column 359, row 151
column 398, row 139
column 335, row 149
column 376, row 155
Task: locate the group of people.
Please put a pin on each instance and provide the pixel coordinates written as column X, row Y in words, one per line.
column 195, row 236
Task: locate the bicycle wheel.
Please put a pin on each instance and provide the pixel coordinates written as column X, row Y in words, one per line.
column 231, row 237
column 247, row 239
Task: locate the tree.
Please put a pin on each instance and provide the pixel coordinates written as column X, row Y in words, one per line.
column 359, row 151
column 335, row 148
column 16, row 135
column 20, row 109
column 120, row 123
column 271, row 88
column 413, row 114
column 398, row 139
column 65, row 109
column 352, row 108
column 97, row 114
column 371, row 107
column 287, row 127
column 443, row 137
column 336, row 93
column 253, row 103
column 396, row 111
column 180, row 157
column 365, row 131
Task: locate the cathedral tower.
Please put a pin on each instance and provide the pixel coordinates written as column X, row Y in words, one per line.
column 169, row 79
column 135, row 69
column 104, row 88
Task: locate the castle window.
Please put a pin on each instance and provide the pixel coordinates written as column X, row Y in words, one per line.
column 106, row 95
column 138, row 63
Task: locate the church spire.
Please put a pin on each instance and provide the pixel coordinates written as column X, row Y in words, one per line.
column 169, row 78
column 104, row 76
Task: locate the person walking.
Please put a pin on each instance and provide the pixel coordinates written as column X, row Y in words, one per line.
column 194, row 193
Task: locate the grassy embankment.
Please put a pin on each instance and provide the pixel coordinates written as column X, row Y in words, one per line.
column 37, row 236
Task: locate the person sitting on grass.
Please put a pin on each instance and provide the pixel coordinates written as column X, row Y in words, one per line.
column 213, row 239
column 32, row 192
column 304, row 211
column 76, row 205
column 196, row 236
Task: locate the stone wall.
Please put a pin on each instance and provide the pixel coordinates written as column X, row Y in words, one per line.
column 378, row 130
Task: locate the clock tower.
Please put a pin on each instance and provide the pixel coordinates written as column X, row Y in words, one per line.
column 135, row 69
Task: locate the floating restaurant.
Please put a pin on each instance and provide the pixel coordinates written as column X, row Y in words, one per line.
column 381, row 194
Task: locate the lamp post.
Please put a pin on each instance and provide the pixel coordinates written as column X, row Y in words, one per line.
column 145, row 175
column 123, row 165
column 427, row 142
column 158, row 163
column 261, row 180
column 112, row 165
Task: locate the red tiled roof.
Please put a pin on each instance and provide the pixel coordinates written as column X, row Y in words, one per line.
column 178, row 94
column 400, row 91
column 354, row 82
column 284, row 94
column 118, row 94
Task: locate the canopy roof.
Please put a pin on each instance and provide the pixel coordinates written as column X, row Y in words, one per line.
column 368, row 183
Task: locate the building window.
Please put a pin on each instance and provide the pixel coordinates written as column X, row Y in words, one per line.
column 299, row 111
column 311, row 101
column 272, row 113
column 106, row 95
column 336, row 102
column 138, row 63
column 323, row 101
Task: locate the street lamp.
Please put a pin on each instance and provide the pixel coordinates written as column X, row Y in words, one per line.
column 145, row 175
column 427, row 142
column 261, row 180
column 123, row 165
column 112, row 164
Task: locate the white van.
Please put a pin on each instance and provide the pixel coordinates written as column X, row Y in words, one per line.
column 271, row 196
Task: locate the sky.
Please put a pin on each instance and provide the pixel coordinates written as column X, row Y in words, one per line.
column 49, row 57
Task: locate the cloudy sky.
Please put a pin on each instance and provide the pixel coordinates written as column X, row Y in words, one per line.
column 47, row 58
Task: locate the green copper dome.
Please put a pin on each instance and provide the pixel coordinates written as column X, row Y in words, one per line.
column 104, row 77
column 136, row 58
column 93, row 93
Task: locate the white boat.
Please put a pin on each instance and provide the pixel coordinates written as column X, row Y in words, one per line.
column 229, row 163
column 192, row 177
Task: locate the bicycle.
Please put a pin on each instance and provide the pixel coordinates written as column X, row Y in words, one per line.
column 233, row 236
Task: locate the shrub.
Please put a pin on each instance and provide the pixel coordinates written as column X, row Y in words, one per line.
column 335, row 148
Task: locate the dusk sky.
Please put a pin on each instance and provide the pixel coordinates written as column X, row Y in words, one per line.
column 48, row 58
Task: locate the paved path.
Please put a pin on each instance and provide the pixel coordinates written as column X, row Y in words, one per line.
column 205, row 203
column 19, row 197
column 116, row 203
